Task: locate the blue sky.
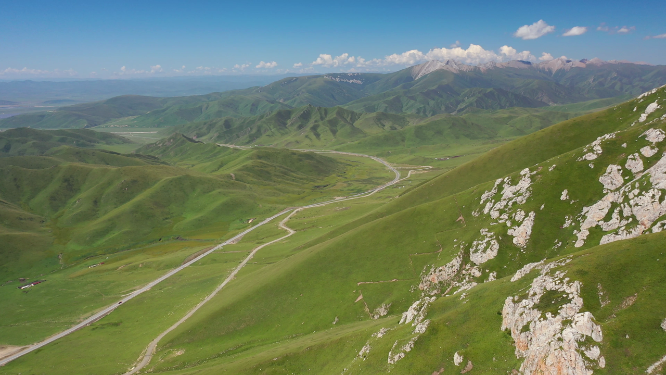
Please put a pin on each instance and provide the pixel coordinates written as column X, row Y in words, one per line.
column 125, row 39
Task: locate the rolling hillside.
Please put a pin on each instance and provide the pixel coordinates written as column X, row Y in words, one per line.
column 554, row 266
column 543, row 255
column 25, row 141
column 81, row 202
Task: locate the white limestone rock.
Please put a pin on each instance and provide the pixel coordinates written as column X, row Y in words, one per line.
column 649, row 151
column 565, row 195
column 593, row 150
column 484, row 249
column 654, row 135
column 634, row 163
column 650, row 108
column 551, row 344
column 522, row 233
column 457, row 359
column 612, row 179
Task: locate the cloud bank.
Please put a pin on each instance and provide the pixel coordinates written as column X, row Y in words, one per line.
column 266, row 65
column 26, row 72
column 473, row 55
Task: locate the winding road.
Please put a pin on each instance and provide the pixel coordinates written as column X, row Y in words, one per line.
column 150, row 350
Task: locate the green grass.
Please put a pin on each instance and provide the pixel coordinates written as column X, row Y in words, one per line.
column 277, row 316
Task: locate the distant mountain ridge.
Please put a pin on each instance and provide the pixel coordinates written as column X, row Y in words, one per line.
column 560, row 63
column 427, row 89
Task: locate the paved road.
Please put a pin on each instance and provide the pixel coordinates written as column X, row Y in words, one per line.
column 106, row 311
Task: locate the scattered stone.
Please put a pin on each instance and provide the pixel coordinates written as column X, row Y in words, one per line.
column 593, row 150
column 565, row 195
column 467, row 368
column 417, row 311
column 364, row 351
column 629, row 301
column 381, row 311
column 526, row 269
column 457, row 359
column 603, row 297
column 379, row 334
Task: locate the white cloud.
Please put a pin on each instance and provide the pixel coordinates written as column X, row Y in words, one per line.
column 241, row 67
column 512, row 54
column 616, row 30
column 124, row 71
column 298, row 65
column 456, row 44
column 330, row 61
column 545, row 56
column 626, row 30
column 266, row 65
column 576, row 30
column 25, row 72
column 534, row 31
column 660, row 36
column 474, row 55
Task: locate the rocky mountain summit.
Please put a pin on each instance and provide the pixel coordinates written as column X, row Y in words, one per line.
column 551, row 66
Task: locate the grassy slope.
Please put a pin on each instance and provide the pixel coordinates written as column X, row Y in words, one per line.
column 92, row 200
column 263, row 323
column 72, row 207
column 25, row 141
column 246, row 318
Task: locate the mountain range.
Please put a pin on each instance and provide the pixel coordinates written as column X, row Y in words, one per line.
column 428, row 89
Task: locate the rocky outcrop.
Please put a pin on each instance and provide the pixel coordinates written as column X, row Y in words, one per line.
column 552, row 343
column 484, row 249
column 426, row 68
column 593, row 150
column 649, row 110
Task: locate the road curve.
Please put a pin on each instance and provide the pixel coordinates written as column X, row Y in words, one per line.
column 109, row 309
column 147, row 355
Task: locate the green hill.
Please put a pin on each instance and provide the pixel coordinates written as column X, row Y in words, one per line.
column 25, row 141
column 544, row 255
column 453, row 254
